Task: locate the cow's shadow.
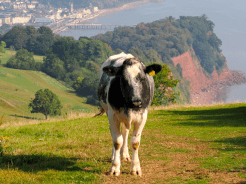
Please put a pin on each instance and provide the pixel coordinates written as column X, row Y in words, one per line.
column 38, row 162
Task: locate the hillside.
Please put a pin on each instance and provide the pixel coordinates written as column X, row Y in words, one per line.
column 188, row 46
column 19, row 86
column 179, row 144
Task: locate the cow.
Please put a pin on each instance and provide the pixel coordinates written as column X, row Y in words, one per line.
column 125, row 91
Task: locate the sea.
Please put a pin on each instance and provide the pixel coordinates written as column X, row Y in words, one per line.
column 228, row 16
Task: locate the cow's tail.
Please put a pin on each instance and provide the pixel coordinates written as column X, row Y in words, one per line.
column 102, row 111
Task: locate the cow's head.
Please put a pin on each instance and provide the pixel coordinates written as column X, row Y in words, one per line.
column 134, row 81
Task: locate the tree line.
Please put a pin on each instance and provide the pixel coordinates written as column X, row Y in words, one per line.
column 169, row 38
column 205, row 42
column 77, row 62
column 29, row 38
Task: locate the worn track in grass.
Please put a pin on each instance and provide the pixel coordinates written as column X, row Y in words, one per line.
column 179, row 145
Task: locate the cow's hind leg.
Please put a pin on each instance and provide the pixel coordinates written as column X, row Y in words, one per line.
column 135, row 143
column 124, row 149
column 117, row 143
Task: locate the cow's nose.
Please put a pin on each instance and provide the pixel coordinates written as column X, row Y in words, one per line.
column 136, row 101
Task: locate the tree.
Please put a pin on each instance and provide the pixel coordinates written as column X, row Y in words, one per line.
column 53, row 66
column 87, row 87
column 215, row 42
column 4, row 28
column 22, row 60
column 44, row 40
column 46, row 102
column 17, row 37
column 180, row 70
column 163, row 83
column 2, row 47
column 32, row 33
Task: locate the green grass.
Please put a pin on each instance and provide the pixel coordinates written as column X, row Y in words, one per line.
column 179, row 145
column 18, row 87
column 5, row 56
column 8, row 54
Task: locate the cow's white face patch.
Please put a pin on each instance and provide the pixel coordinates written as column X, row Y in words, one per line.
column 133, row 70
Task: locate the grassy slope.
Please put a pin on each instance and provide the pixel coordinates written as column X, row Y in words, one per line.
column 17, row 87
column 5, row 56
column 179, row 145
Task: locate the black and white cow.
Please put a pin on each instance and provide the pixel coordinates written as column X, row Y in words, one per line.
column 125, row 92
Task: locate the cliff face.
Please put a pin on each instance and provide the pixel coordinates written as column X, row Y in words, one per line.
column 203, row 88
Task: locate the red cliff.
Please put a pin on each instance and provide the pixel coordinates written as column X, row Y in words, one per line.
column 204, row 88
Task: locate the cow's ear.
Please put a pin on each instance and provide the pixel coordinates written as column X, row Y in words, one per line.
column 111, row 71
column 153, row 69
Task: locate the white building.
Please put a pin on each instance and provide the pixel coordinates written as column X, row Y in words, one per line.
column 71, row 7
column 31, row 6
column 95, row 9
column 20, row 20
column 34, row 2
column 6, row 20
column 19, row 5
column 86, row 11
column 56, row 15
column 76, row 15
column 5, row 1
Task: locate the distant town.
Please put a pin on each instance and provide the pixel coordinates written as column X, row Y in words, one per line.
column 33, row 13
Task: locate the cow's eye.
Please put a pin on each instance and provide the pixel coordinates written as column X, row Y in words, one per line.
column 142, row 79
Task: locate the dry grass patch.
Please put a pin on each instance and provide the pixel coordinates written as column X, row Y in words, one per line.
column 70, row 116
column 176, row 168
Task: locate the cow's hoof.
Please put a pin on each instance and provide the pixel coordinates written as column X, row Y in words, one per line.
column 114, row 173
column 126, row 159
column 136, row 173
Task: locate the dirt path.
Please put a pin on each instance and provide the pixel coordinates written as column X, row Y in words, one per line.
column 9, row 103
column 175, row 167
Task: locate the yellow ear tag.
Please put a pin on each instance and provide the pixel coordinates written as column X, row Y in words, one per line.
column 152, row 73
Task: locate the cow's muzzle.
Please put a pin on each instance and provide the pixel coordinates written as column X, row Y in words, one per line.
column 137, row 102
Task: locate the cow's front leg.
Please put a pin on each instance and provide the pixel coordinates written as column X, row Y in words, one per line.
column 135, row 143
column 124, row 149
column 117, row 143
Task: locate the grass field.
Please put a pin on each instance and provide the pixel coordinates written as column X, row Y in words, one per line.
column 18, row 87
column 8, row 54
column 179, row 145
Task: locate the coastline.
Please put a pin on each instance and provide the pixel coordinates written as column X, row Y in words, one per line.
column 205, row 89
column 104, row 12
column 209, row 93
column 125, row 7
column 213, row 93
